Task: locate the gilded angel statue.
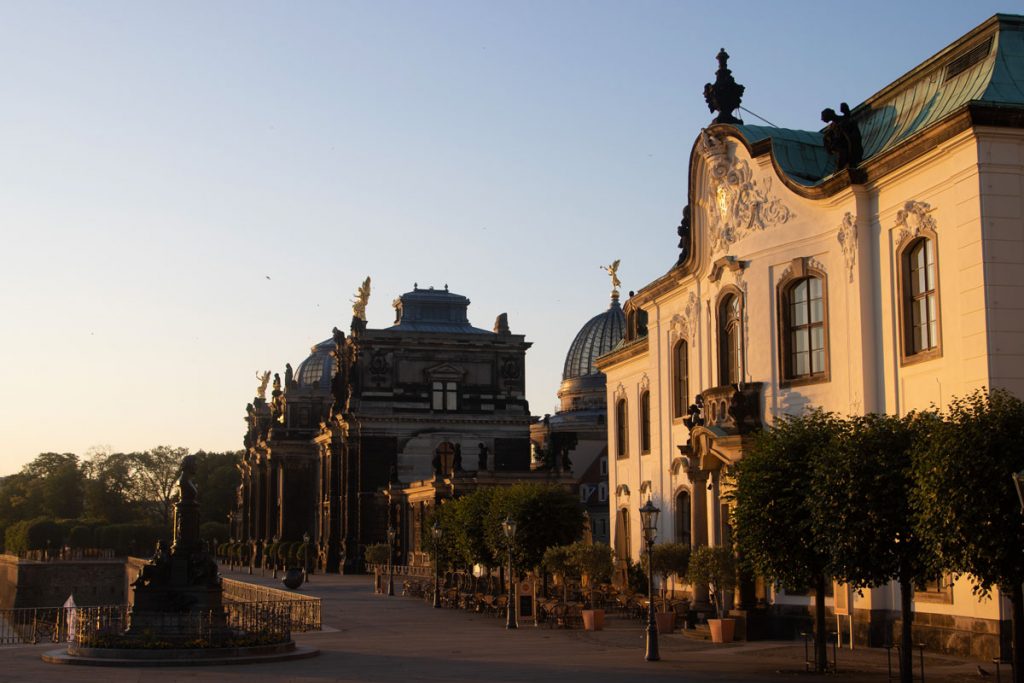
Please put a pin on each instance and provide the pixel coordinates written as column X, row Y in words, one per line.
column 613, row 270
column 362, row 297
column 261, row 390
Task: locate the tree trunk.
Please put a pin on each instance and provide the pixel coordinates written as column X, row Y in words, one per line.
column 1017, row 602
column 906, row 632
column 820, row 651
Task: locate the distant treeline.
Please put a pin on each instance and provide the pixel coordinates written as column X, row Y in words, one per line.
column 122, row 501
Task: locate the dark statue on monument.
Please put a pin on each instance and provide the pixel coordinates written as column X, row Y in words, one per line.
column 725, row 94
column 684, row 235
column 842, row 137
column 183, row 581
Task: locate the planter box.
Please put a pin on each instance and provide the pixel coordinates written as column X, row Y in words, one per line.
column 722, row 630
column 593, row 619
column 666, row 621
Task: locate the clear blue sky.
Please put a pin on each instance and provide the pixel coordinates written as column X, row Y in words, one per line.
column 159, row 160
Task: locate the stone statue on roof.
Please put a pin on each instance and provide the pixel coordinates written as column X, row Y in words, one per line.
column 842, row 137
column 362, row 298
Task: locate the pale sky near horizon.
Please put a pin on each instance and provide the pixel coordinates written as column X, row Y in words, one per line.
column 192, row 191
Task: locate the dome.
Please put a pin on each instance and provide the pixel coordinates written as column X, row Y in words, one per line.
column 316, row 371
column 596, row 338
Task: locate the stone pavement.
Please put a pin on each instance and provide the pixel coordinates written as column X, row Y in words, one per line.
column 369, row 637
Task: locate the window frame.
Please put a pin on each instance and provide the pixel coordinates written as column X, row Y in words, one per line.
column 645, row 422
column 906, row 299
column 447, row 392
column 680, row 378
column 621, row 428
column 721, row 331
column 800, row 272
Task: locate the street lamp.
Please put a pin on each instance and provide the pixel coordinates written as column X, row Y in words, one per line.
column 509, row 527
column 305, row 557
column 1018, row 481
column 391, row 554
column 252, row 555
column 437, row 580
column 277, row 541
column 649, row 522
column 264, row 560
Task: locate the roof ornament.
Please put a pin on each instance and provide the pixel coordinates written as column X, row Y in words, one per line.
column 684, row 235
column 842, row 137
column 612, row 271
column 362, row 297
column 725, row 94
column 261, row 390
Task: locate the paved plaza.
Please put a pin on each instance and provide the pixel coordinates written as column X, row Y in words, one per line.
column 369, row 637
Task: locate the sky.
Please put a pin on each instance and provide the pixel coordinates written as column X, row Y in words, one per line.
column 191, row 192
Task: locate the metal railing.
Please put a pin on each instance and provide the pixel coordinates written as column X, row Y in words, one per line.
column 237, row 625
column 304, row 609
column 28, row 626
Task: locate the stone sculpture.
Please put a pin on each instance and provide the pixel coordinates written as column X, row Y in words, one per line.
column 725, row 94
column 842, row 137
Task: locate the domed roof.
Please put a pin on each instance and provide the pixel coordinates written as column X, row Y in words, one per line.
column 315, row 372
column 596, row 338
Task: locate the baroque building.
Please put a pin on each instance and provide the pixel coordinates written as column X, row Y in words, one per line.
column 376, row 412
column 874, row 265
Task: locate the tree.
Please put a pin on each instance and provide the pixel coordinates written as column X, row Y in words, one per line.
column 469, row 535
column 217, row 479
column 110, row 487
column 157, row 472
column 544, row 515
column 863, row 489
column 715, row 566
column 558, row 560
column 668, row 559
column 596, row 561
column 774, row 509
column 966, row 500
column 448, row 551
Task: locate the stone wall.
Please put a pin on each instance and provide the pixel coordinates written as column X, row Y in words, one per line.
column 27, row 583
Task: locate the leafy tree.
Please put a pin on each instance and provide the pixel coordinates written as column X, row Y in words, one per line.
column 668, row 559
column 558, row 560
column 544, row 515
column 449, row 551
column 56, row 480
column 966, row 500
column 715, row 566
column 863, row 488
column 596, row 561
column 217, row 479
column 109, row 487
column 774, row 509
column 377, row 553
column 469, row 535
column 157, row 472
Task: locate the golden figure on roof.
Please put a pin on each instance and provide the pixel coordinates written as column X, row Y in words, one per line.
column 362, row 297
column 612, row 271
column 261, row 390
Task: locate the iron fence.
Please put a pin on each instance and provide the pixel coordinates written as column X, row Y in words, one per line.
column 28, row 626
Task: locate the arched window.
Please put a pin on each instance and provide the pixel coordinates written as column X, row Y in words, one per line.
column 920, row 292
column 730, row 340
column 680, row 379
column 804, row 335
column 622, row 535
column 645, row 422
column 621, row 429
column 683, row 517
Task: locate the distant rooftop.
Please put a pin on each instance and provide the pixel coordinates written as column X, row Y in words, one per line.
column 433, row 310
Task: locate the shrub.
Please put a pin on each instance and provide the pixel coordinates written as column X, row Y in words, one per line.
column 378, row 553
column 716, row 567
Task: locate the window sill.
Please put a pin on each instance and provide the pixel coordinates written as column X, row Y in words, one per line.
column 921, row 357
column 805, row 381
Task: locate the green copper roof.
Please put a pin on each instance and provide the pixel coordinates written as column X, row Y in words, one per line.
column 986, row 66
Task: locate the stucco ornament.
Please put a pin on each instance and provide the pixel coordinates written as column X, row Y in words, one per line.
column 737, row 204
column 684, row 325
column 847, row 238
column 912, row 219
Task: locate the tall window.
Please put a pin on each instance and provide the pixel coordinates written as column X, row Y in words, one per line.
column 645, row 422
column 730, row 342
column 803, row 334
column 921, row 299
column 621, row 429
column 683, row 517
column 445, row 396
column 680, row 379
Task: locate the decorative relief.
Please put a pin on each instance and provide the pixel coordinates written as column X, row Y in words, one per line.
column 645, row 383
column 621, row 490
column 620, row 392
column 645, row 487
column 684, row 325
column 738, row 205
column 847, row 238
column 912, row 219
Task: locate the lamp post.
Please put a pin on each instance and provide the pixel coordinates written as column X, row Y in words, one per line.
column 509, row 527
column 252, row 555
column 436, row 530
column 264, row 560
column 277, row 541
column 391, row 554
column 305, row 557
column 649, row 522
column 1018, row 481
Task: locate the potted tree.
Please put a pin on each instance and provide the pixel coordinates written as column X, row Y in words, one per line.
column 595, row 564
column 669, row 559
column 716, row 567
column 557, row 560
column 377, row 555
